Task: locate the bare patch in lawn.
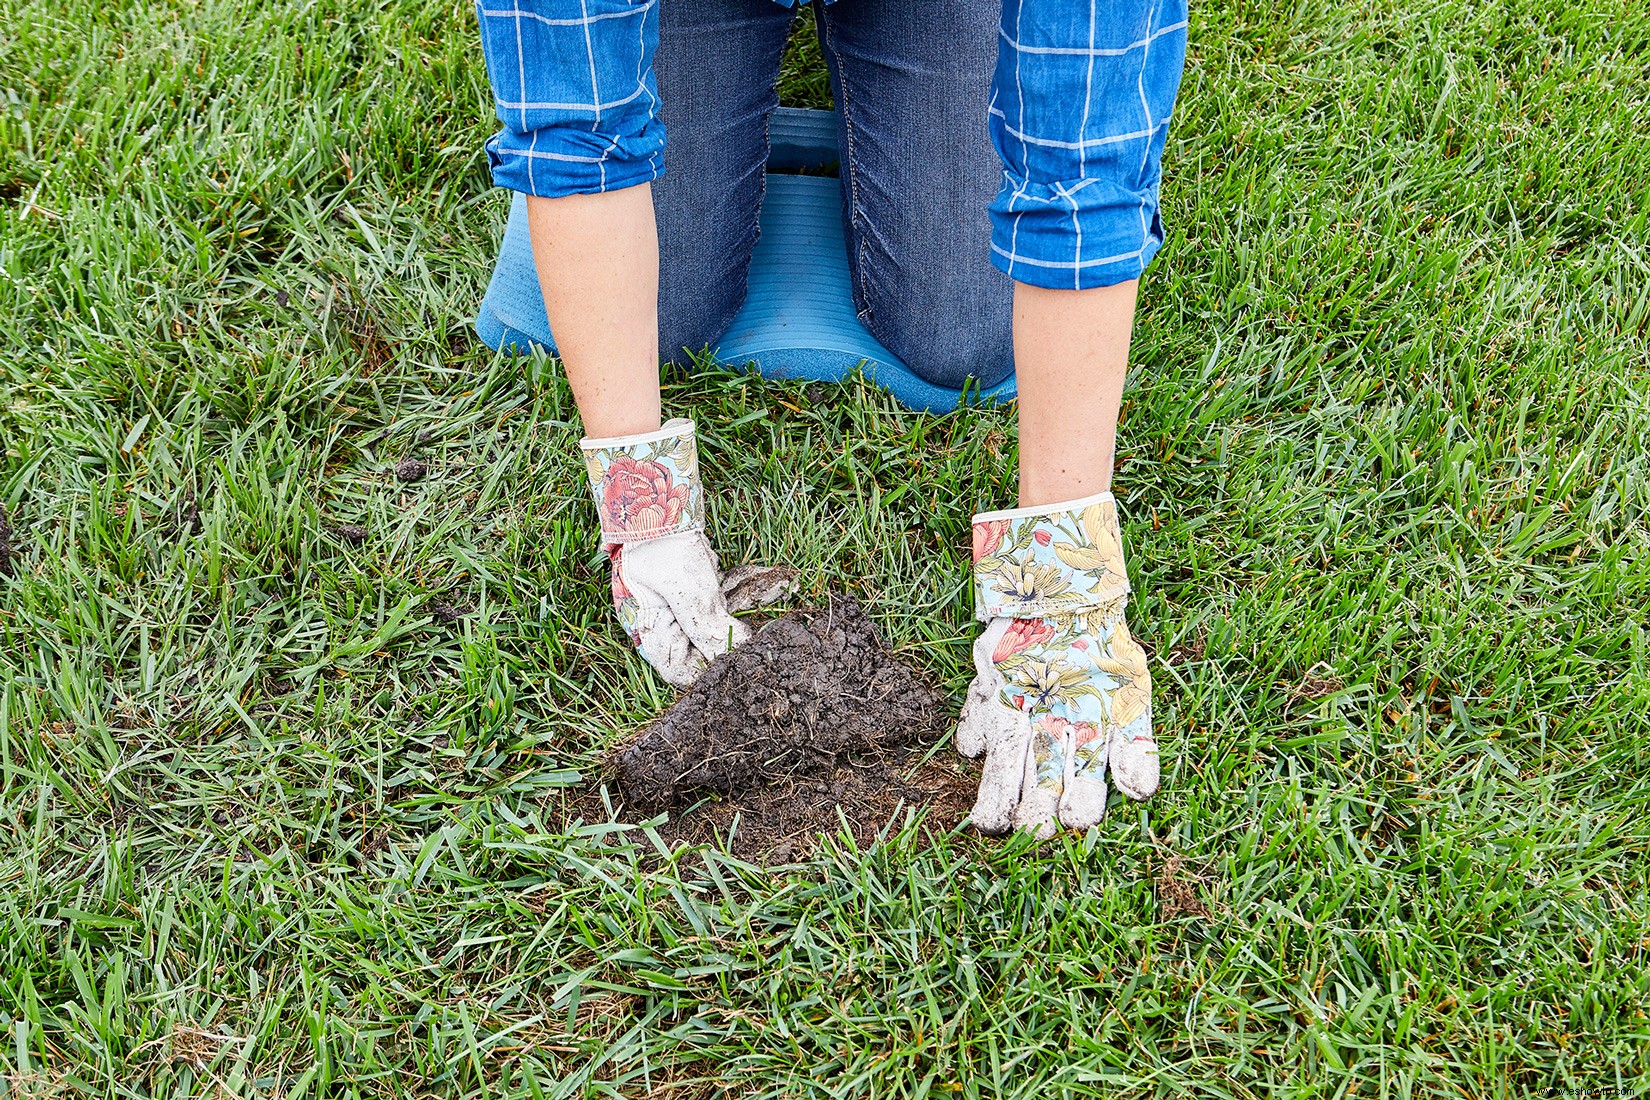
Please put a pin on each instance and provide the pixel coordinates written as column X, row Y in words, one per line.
column 1320, row 682
column 810, row 727
column 785, row 820
column 1177, row 891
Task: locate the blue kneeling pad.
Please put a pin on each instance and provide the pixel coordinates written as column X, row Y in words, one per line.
column 798, row 320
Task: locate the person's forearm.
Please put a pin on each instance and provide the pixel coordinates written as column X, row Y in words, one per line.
column 1071, row 354
column 598, row 265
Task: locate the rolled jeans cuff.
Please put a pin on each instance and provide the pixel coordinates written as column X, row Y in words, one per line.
column 1073, row 235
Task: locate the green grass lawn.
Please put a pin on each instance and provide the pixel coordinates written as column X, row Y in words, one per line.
column 275, row 822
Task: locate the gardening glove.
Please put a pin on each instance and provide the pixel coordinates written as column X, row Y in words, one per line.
column 667, row 591
column 1061, row 692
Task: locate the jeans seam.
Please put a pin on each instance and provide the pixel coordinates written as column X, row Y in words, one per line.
column 761, row 189
column 862, row 308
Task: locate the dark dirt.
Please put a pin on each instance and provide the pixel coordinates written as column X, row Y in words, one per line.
column 5, row 544
column 188, row 521
column 806, row 692
column 352, row 533
column 809, row 726
column 447, row 613
column 411, row 469
column 787, row 819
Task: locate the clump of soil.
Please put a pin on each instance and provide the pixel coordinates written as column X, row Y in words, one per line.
column 188, row 521
column 5, row 544
column 411, row 469
column 447, row 613
column 809, row 726
column 808, row 691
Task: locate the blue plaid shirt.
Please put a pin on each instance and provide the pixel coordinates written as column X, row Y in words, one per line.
column 1079, row 114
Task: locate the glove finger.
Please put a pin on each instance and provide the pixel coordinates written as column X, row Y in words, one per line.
column 694, row 594
column 984, row 693
column 1130, row 747
column 647, row 619
column 679, row 574
column 1043, row 777
column 666, row 646
column 712, row 630
column 747, row 587
column 1083, row 803
column 970, row 738
column 1133, row 755
column 1006, row 734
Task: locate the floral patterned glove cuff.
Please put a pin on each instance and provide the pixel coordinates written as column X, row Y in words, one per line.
column 647, row 486
column 1056, row 559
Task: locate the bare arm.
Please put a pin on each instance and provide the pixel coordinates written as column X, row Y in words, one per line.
column 1071, row 353
column 598, row 265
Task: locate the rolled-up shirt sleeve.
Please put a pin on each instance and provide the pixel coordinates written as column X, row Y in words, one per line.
column 1079, row 113
column 573, row 87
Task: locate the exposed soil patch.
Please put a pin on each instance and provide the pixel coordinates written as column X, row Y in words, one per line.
column 1177, row 891
column 1320, row 682
column 447, row 613
column 809, row 726
column 787, row 820
column 188, row 518
column 1187, row 651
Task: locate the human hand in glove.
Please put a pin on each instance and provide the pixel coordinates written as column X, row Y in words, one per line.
column 1061, row 693
column 667, row 590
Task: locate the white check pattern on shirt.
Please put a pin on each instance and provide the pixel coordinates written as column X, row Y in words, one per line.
column 1079, row 113
column 573, row 85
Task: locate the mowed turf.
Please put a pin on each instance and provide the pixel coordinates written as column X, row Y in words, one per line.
column 283, row 737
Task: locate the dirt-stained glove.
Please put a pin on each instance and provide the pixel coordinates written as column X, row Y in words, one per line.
column 667, row 591
column 1061, row 692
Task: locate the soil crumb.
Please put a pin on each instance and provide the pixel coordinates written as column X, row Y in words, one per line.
column 810, row 727
column 188, row 521
column 449, row 614
column 410, row 469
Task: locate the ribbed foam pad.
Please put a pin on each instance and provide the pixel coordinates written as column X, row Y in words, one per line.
column 798, row 320
column 800, row 140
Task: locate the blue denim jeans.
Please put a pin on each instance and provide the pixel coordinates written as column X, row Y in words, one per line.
column 918, row 171
column 1078, row 108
